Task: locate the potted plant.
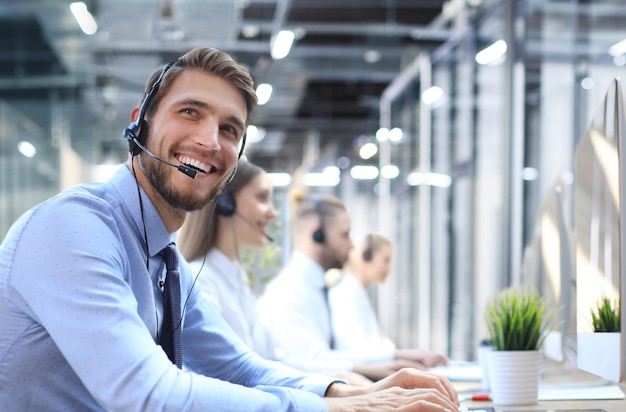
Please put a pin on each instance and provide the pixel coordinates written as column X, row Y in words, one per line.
column 598, row 350
column 518, row 322
column 606, row 318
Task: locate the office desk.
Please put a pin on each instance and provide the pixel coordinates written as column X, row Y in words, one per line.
column 553, row 374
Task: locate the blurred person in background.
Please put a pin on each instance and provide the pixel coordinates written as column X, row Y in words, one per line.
column 354, row 321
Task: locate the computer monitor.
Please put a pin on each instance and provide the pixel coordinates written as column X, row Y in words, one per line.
column 549, row 266
column 600, row 231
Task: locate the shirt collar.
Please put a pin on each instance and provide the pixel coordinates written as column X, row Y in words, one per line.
column 311, row 271
column 126, row 185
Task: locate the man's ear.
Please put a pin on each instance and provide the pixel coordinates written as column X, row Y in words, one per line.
column 134, row 114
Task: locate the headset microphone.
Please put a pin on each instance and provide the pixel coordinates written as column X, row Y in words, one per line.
column 181, row 168
column 253, row 226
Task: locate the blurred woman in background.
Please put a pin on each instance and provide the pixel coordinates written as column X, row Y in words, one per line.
column 213, row 239
column 354, row 321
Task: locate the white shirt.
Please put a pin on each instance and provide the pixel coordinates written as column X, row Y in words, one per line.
column 293, row 309
column 355, row 324
column 225, row 283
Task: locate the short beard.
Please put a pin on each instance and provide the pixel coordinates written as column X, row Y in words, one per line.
column 156, row 173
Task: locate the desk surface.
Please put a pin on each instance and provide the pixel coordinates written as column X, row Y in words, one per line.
column 553, row 373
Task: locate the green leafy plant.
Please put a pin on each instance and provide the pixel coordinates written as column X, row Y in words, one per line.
column 606, row 318
column 517, row 319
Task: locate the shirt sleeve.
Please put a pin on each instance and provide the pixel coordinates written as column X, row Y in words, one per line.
column 76, row 285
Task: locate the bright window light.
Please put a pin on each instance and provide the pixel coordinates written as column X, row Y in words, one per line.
column 255, row 134
column 280, row 179
column 84, row 19
column 395, row 134
column 103, row 172
column 368, row 150
column 492, row 53
column 263, row 93
column 364, row 172
column 432, row 179
column 382, row 134
column 618, row 48
column 432, row 94
column 27, row 148
column 390, row 171
column 320, row 179
column 282, row 44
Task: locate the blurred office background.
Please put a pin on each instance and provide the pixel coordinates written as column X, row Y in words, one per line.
column 443, row 124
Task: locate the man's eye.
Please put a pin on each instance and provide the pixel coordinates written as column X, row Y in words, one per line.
column 188, row 111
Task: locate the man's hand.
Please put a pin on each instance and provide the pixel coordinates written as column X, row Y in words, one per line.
column 394, row 399
column 406, row 390
column 426, row 358
column 378, row 371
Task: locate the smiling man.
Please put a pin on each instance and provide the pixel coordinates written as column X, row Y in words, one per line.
column 97, row 314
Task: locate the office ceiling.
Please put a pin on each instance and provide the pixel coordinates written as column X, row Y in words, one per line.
column 326, row 91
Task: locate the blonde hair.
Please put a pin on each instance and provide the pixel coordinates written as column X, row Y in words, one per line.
column 303, row 205
column 371, row 243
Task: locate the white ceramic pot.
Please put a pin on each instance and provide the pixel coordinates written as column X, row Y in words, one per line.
column 514, row 376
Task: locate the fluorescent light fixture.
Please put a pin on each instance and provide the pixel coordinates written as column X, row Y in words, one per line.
column 431, row 95
column 364, row 172
column 382, row 134
column 263, row 93
column 330, row 176
column 280, row 179
column 618, row 48
column 255, row 134
column 432, row 179
column 282, row 44
column 27, row 148
column 368, row 150
column 395, row 134
column 492, row 53
column 390, row 171
column 84, row 19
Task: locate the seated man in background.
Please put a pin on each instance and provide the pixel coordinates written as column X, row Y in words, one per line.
column 294, row 305
column 355, row 325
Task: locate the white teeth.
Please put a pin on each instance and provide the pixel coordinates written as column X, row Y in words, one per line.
column 195, row 163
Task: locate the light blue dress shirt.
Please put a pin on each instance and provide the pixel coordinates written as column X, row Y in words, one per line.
column 80, row 314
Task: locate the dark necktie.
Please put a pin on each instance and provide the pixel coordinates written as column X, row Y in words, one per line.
column 171, row 336
column 331, row 343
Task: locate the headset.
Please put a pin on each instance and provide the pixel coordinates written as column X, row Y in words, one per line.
column 137, row 132
column 225, row 204
column 368, row 254
column 318, row 235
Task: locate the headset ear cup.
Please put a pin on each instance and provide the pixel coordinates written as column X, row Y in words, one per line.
column 318, row 236
column 367, row 255
column 137, row 130
column 226, row 205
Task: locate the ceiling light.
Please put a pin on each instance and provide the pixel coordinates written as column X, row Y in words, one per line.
column 530, row 173
column 382, row 134
column 364, row 172
column 263, row 93
column 431, row 95
column 280, row 179
column 368, row 150
column 27, row 149
column 371, row 56
column 84, row 19
column 618, row 48
column 395, row 134
column 255, row 134
column 492, row 53
column 390, row 171
column 282, row 43
column 587, row 83
column 432, row 179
